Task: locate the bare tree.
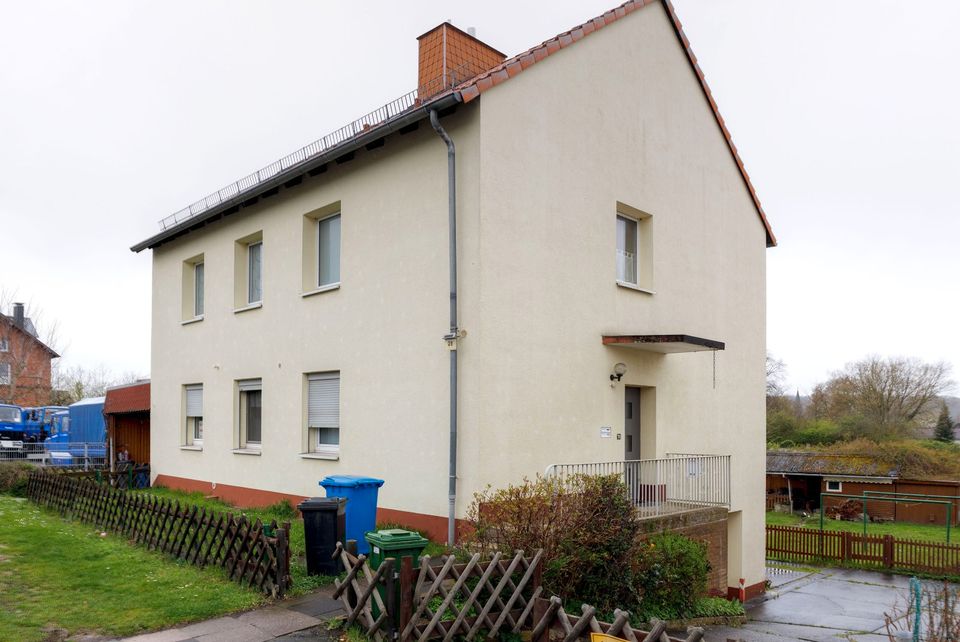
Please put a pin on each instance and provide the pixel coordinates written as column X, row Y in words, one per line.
column 776, row 382
column 20, row 347
column 883, row 397
column 74, row 383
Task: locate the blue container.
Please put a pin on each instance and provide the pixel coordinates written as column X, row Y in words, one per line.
column 361, row 495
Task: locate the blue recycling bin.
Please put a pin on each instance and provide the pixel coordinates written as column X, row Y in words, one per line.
column 361, row 495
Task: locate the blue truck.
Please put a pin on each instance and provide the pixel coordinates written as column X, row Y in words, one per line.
column 11, row 427
column 79, row 433
column 38, row 422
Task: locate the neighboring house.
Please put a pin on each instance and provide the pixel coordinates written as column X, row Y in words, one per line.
column 24, row 361
column 126, row 410
column 609, row 293
column 801, row 479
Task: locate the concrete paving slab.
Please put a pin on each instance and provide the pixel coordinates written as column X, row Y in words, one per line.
column 277, row 620
column 240, row 632
column 320, row 607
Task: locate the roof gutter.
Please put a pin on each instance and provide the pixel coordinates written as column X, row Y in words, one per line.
column 375, row 133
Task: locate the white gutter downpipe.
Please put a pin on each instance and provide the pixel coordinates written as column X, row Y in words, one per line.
column 452, row 337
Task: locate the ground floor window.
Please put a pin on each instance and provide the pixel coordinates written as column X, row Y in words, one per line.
column 323, row 412
column 250, row 415
column 834, row 486
column 194, row 414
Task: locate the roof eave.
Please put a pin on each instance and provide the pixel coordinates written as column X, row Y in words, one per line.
column 374, row 133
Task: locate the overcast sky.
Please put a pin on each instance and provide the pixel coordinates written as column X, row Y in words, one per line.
column 116, row 114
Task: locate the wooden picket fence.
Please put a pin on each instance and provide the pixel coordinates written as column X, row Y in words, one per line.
column 252, row 553
column 446, row 600
column 794, row 543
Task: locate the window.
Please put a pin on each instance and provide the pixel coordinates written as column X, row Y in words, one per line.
column 4, row 344
column 251, row 402
column 198, row 290
column 254, row 272
column 192, row 289
column 194, row 414
column 634, row 248
column 328, row 251
column 834, row 486
column 627, row 250
column 323, row 412
column 5, row 374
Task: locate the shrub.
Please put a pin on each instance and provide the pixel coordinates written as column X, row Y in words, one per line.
column 671, row 574
column 586, row 527
column 13, row 477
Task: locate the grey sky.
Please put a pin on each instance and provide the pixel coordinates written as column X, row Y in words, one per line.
column 115, row 114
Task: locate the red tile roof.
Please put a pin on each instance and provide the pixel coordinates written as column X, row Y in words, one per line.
column 132, row 398
column 512, row 66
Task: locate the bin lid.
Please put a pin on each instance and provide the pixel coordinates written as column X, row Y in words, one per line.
column 395, row 538
column 320, row 503
column 349, row 481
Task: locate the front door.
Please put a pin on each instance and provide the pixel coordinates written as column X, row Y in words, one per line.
column 631, row 424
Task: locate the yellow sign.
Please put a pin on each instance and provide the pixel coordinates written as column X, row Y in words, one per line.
column 603, row 637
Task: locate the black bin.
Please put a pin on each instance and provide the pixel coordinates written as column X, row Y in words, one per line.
column 324, row 524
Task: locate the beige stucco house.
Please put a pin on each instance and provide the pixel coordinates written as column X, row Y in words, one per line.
column 610, row 293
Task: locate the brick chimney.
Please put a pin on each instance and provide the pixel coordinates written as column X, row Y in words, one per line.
column 18, row 315
column 449, row 56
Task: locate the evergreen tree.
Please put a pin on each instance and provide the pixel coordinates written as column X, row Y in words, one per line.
column 944, row 429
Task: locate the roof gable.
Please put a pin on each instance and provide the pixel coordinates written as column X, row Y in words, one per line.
column 24, row 331
column 510, row 67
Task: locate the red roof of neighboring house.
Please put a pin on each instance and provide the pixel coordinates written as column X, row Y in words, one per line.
column 130, row 398
column 513, row 66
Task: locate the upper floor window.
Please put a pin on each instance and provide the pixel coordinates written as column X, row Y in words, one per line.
column 4, row 344
column 248, row 272
column 192, row 289
column 194, row 413
column 634, row 248
column 255, row 272
column 328, row 250
column 5, row 378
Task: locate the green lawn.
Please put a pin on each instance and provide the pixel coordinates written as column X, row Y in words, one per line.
column 923, row 532
column 60, row 574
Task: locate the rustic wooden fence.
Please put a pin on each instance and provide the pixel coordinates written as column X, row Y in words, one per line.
column 794, row 543
column 444, row 600
column 251, row 553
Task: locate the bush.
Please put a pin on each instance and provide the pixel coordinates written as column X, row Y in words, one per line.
column 671, row 574
column 586, row 527
column 13, row 477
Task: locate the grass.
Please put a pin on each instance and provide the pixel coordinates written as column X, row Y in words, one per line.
column 903, row 530
column 56, row 574
column 283, row 511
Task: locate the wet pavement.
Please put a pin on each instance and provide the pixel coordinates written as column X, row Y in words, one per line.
column 826, row 604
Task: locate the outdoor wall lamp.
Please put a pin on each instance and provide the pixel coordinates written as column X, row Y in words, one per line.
column 618, row 371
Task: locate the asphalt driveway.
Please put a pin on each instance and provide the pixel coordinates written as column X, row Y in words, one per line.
column 828, row 604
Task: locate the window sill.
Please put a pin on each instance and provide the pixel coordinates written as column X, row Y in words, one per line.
column 322, row 289
column 252, row 306
column 632, row 286
column 193, row 320
column 193, row 448
column 327, row 456
column 247, row 451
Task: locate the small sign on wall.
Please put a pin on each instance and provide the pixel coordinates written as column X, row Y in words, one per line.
column 606, row 432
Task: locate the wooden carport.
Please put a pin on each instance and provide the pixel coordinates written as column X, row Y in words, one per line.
column 127, row 411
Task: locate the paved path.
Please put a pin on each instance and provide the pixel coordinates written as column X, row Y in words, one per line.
column 829, row 604
column 302, row 618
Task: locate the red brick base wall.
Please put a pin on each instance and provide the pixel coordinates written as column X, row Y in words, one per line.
column 433, row 526
column 708, row 526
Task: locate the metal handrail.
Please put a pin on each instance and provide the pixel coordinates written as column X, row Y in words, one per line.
column 380, row 116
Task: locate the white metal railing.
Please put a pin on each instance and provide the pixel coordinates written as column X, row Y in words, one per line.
column 659, row 486
column 83, row 456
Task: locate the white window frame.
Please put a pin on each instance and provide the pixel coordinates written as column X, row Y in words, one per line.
column 331, row 420
column 196, row 425
column 7, row 378
column 622, row 278
column 245, row 386
column 199, row 288
column 838, row 489
column 331, row 284
column 250, row 246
